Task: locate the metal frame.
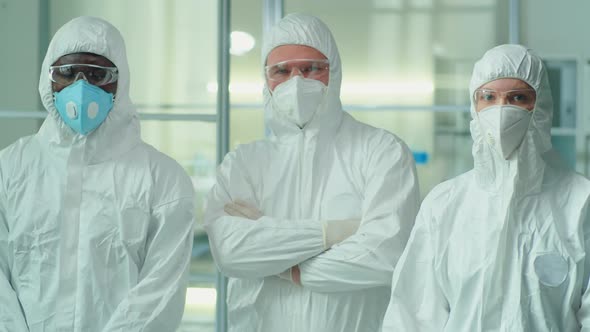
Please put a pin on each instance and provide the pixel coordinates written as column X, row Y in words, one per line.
column 44, row 37
column 272, row 12
column 514, row 22
column 223, row 67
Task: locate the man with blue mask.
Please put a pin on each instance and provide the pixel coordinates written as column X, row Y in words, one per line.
column 308, row 223
column 95, row 225
column 505, row 246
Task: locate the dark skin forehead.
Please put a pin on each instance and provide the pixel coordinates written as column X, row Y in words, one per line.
column 84, row 58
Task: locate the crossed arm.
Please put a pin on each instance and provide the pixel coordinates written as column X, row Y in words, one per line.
column 245, row 246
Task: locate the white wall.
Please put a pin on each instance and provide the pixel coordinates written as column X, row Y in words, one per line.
column 560, row 30
column 556, row 27
column 19, row 66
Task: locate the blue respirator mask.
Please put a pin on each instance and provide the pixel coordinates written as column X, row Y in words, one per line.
column 83, row 106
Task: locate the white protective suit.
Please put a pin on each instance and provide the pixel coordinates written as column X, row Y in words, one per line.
column 96, row 231
column 503, row 247
column 336, row 168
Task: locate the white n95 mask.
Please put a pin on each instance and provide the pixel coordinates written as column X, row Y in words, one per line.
column 298, row 99
column 504, row 127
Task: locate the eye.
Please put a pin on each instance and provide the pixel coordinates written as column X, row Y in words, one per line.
column 97, row 73
column 65, row 71
column 487, row 96
column 279, row 70
column 317, row 67
column 282, row 71
column 305, row 69
column 521, row 98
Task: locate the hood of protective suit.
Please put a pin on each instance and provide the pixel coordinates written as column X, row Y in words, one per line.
column 120, row 131
column 306, row 30
column 526, row 167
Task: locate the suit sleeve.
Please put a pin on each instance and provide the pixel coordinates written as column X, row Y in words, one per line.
column 156, row 303
column 417, row 301
column 391, row 200
column 244, row 248
column 11, row 314
column 583, row 313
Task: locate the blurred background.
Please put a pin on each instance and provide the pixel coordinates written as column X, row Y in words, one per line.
column 196, row 77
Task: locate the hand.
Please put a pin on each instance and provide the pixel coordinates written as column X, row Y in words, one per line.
column 292, row 274
column 336, row 231
column 296, row 275
column 242, row 209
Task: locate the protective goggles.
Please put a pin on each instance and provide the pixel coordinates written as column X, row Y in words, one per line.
column 308, row 68
column 524, row 98
column 93, row 74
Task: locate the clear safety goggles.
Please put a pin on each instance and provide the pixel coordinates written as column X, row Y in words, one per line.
column 93, row 74
column 309, row 68
column 524, row 98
